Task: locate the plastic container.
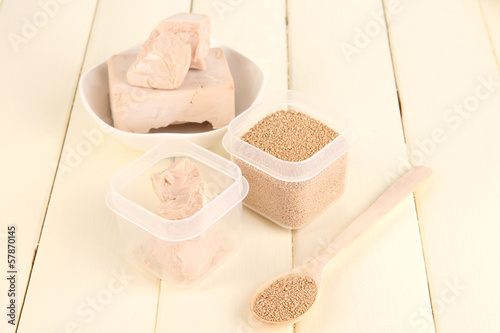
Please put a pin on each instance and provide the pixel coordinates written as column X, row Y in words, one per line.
column 291, row 194
column 182, row 252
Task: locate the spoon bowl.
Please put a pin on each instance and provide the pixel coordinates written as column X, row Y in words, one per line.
column 262, row 289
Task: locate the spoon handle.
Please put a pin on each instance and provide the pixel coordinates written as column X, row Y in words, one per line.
column 402, row 187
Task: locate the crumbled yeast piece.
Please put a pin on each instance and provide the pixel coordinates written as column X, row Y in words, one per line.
column 182, row 192
column 193, row 29
column 181, row 178
column 162, row 62
column 180, row 188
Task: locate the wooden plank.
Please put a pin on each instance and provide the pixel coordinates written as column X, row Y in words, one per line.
column 221, row 303
column 491, row 15
column 377, row 284
column 42, row 45
column 80, row 269
column 263, row 41
column 449, row 90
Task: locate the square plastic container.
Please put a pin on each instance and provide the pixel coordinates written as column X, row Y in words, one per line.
column 182, row 252
column 291, row 194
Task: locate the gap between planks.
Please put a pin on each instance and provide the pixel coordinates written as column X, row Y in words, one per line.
column 394, row 74
column 287, row 46
column 289, row 83
column 406, row 144
column 58, row 162
column 487, row 28
column 32, row 264
column 289, row 87
column 159, row 280
column 425, row 264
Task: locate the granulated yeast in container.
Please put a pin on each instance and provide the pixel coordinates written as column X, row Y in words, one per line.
column 293, row 204
column 292, row 136
column 294, row 162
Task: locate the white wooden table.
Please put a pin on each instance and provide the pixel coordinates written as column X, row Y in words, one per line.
column 421, row 85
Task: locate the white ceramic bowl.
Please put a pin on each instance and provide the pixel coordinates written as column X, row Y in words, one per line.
column 249, row 81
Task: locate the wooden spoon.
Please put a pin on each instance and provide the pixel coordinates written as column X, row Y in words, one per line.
column 290, row 303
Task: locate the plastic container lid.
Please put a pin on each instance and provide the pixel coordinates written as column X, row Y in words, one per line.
column 188, row 228
column 283, row 170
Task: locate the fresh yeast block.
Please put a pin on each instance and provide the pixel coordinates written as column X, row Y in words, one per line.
column 193, row 29
column 205, row 95
column 162, row 62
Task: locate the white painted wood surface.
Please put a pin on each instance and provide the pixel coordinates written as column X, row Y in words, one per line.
column 442, row 74
column 79, row 253
column 363, row 288
column 340, row 52
column 40, row 59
